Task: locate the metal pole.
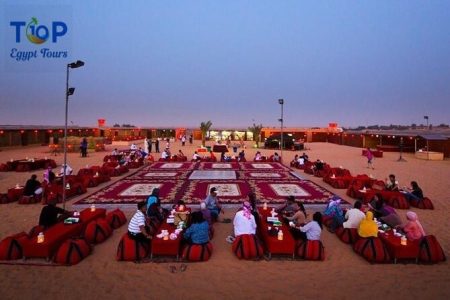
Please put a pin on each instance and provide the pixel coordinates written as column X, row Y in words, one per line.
column 65, row 139
column 282, row 103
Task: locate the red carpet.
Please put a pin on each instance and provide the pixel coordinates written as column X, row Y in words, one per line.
column 272, row 182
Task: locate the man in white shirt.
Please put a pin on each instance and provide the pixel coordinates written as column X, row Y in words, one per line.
column 136, row 227
column 354, row 216
column 244, row 221
column 196, row 157
column 165, row 154
column 69, row 170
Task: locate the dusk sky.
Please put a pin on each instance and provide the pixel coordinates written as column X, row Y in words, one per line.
column 177, row 63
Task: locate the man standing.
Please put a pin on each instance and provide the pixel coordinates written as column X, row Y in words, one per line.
column 83, row 147
column 157, row 145
column 183, row 140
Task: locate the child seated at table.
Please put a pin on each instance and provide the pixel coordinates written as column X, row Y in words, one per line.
column 198, row 232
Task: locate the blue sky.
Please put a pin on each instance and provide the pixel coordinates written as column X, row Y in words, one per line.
column 177, row 63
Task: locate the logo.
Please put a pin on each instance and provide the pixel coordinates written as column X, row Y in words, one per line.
column 39, row 34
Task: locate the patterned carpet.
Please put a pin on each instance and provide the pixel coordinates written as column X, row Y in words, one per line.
column 191, row 181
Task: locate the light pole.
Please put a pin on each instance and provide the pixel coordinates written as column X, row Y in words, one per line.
column 281, row 102
column 426, row 118
column 69, row 92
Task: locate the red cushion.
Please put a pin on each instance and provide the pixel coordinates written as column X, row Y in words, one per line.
column 425, row 203
column 398, row 201
column 131, row 250
column 347, row 235
column 11, row 247
column 29, row 199
column 247, row 246
column 72, row 251
column 310, row 250
column 4, row 198
column 116, row 218
column 194, row 252
column 97, row 231
column 372, row 249
column 430, row 250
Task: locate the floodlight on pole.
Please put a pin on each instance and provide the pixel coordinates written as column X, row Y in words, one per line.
column 281, row 102
column 69, row 92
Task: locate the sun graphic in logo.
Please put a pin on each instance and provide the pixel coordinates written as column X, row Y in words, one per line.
column 32, row 32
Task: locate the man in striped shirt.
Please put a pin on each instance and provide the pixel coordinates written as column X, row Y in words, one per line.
column 136, row 227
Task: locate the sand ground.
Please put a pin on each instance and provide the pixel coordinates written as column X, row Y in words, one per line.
column 343, row 275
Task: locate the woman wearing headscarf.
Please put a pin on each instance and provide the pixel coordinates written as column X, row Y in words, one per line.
column 413, row 229
column 368, row 227
column 334, row 210
column 244, row 221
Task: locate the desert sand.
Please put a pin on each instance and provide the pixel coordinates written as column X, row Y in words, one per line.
column 343, row 274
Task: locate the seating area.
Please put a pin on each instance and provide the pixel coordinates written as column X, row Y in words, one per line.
column 64, row 243
column 388, row 247
column 27, row 164
column 167, row 241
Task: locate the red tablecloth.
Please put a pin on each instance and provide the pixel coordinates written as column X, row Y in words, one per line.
column 166, row 247
column 397, row 250
column 273, row 245
column 15, row 193
column 53, row 238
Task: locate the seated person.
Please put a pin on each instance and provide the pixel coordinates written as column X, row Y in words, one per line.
column 137, row 226
column 165, row 155
column 68, row 169
column 294, row 162
column 181, row 212
column 49, row 214
column 180, row 154
column 133, row 147
column 391, row 183
column 212, row 203
column 241, row 156
column 32, row 187
column 305, row 157
column 253, row 203
column 335, row 211
column 115, row 152
column 258, row 156
column 413, row 229
column 155, row 213
column 299, row 218
column 318, row 165
column 311, row 231
column 49, row 176
column 196, row 156
column 244, row 221
column 414, row 193
column 276, row 157
column 368, row 227
column 354, row 216
column 198, row 232
column 384, row 212
column 289, row 208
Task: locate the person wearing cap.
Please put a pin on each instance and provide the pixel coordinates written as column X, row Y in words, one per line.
column 244, row 221
column 212, row 203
